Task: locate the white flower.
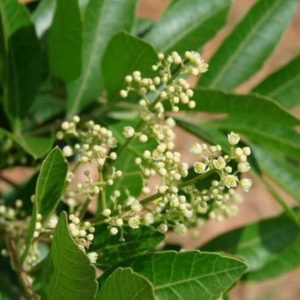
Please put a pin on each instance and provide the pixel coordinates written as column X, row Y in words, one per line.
column 106, row 212
column 243, row 167
column 180, row 229
column 196, row 149
column 123, row 93
column 92, row 256
column 67, row 151
column 134, row 222
column 246, row 184
column 163, row 228
column 200, row 167
column 219, row 163
column 114, row 231
column 230, row 181
column 233, row 138
column 128, row 131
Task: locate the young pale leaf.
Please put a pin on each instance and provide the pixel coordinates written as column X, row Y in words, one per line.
column 136, row 55
column 23, row 60
column 188, row 24
column 113, row 251
column 270, row 247
column 68, row 274
column 283, row 85
column 65, row 41
column 248, row 106
column 199, row 275
column 124, row 284
column 282, row 172
column 103, row 19
column 252, row 41
column 49, row 187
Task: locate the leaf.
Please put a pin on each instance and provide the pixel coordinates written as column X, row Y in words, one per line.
column 65, row 41
column 23, row 60
column 248, row 106
column 69, row 274
column 113, row 251
column 283, row 85
column 251, row 42
column 43, row 16
column 199, row 275
column 188, row 24
column 126, row 285
column 142, row 26
column 49, row 187
column 36, row 146
column 103, row 19
column 270, row 247
column 283, row 173
column 137, row 55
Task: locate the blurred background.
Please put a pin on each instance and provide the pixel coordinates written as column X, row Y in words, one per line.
column 257, row 203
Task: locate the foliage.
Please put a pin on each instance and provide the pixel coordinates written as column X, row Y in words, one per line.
column 88, row 93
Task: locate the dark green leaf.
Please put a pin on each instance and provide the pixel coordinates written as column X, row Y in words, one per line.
column 270, row 247
column 103, row 19
column 49, row 187
column 199, row 275
column 137, row 55
column 282, row 172
column 34, row 145
column 252, row 41
column 188, row 24
column 124, row 284
column 23, row 60
column 65, row 41
column 248, row 106
column 113, row 251
column 283, row 85
column 69, row 274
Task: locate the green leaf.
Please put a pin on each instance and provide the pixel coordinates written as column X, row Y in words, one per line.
column 199, row 275
column 43, row 16
column 49, row 187
column 36, row 146
column 251, row 42
column 23, row 60
column 142, row 26
column 272, row 135
column 188, row 24
column 69, row 274
column 283, row 85
column 248, row 106
column 65, row 41
column 137, row 55
column 283, row 173
column 103, row 19
column 124, row 284
column 270, row 247
column 113, row 251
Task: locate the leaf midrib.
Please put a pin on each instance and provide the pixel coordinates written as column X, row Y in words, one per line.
column 241, row 46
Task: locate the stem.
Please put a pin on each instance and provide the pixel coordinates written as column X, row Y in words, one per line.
column 23, row 277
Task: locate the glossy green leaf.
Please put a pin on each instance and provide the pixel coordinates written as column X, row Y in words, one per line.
column 43, row 16
column 103, row 19
column 199, row 275
column 188, row 24
column 270, row 247
column 137, row 55
column 251, row 42
column 49, row 187
column 283, row 173
column 267, row 134
column 65, row 41
column 248, row 106
column 36, row 146
column 68, row 274
column 23, row 60
column 124, row 284
column 283, row 85
column 113, row 251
